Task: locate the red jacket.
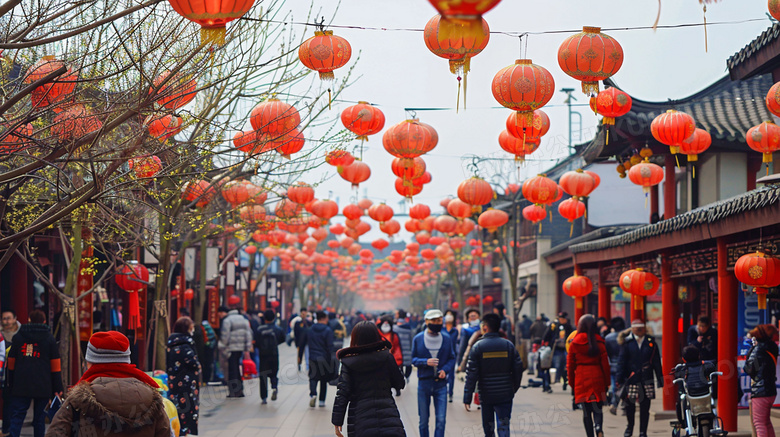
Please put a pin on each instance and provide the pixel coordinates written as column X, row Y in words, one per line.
column 393, row 338
column 588, row 375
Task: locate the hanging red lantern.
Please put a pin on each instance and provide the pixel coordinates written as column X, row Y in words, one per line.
column 380, row 212
column 380, row 244
column 363, row 120
column 534, row 213
column 16, row 141
column 235, row 192
column 212, row 17
column 759, row 270
column 252, row 213
column 325, row 209
column 465, row 227
column 407, row 190
column 577, row 287
column 301, row 193
column 493, row 219
column 287, row 209
column 176, row 91
column 765, row 139
column 596, row 178
column 422, row 180
column 518, row 146
column 201, row 190
column 468, row 8
column 253, row 142
column 577, row 183
column 355, row 173
column 163, row 126
column 520, row 127
column 422, row 237
column 410, row 139
column 590, row 56
column 352, row 212
column 74, row 123
column 540, row 190
column 445, row 224
column 611, row 104
column 696, row 144
column 289, row 143
column 408, row 168
column 459, row 209
column 774, row 9
column 639, row 283
column 325, row 52
column 274, row 117
column 571, row 209
column 339, row 158
column 412, row 225
column 133, row 278
column 646, row 174
column 336, row 229
column 419, row 211
column 476, row 192
column 672, row 128
column 390, row 227
column 523, row 87
column 773, row 96
column 145, row 166
column 55, row 91
column 189, row 293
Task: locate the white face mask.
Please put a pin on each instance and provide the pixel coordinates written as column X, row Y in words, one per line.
column 474, row 322
column 385, row 328
column 449, row 318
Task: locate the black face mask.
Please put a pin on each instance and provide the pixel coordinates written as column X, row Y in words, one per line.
column 435, row 328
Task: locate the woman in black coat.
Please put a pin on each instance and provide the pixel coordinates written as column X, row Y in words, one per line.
column 368, row 375
column 184, row 375
column 761, row 365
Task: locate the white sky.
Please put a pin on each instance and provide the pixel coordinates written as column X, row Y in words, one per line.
column 397, row 71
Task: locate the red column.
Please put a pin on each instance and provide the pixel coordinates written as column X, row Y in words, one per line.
column 579, row 303
column 670, row 188
column 605, row 298
column 653, row 202
column 670, row 354
column 727, row 341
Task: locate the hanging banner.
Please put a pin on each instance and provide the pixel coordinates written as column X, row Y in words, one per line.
column 83, row 285
column 140, row 331
column 213, row 303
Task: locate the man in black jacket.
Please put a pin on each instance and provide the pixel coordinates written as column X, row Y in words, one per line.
column 639, row 359
column 496, row 365
column 268, row 337
column 705, row 338
column 322, row 357
column 555, row 337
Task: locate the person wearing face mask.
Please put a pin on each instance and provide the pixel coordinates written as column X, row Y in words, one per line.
column 451, row 328
column 433, row 353
column 469, row 328
column 386, row 329
column 183, row 374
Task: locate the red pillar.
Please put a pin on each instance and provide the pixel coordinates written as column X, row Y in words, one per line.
column 653, row 202
column 670, row 188
column 605, row 298
column 727, row 341
column 753, row 167
column 671, row 340
column 579, row 303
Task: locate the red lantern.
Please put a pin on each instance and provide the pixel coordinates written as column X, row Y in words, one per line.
column 252, row 213
column 523, row 87
column 408, row 168
column 274, row 117
column 410, row 139
column 468, row 8
column 164, row 126
column 336, row 229
column 176, row 91
column 774, row 9
column 380, row 244
column 639, row 283
column 145, row 166
column 189, row 294
column 646, row 174
column 289, row 143
column 445, row 224
column 571, row 209
column 325, row 52
column 339, row 158
column 419, row 211
column 465, row 227
column 363, row 120
column 325, row 209
column 301, row 193
column 407, row 190
column 577, row 183
column 611, row 104
column 773, row 96
column 765, row 139
column 390, row 227
column 540, row 190
column 412, row 225
column 16, row 141
column 54, row 91
column 696, row 144
column 493, row 219
column 133, row 278
column 459, row 209
column 422, row 180
column 212, row 17
column 274, row 304
column 475, row 192
column 422, row 237
column 202, row 191
column 352, row 212
column 455, row 305
column 522, row 128
column 534, row 213
column 590, row 56
column 577, row 287
column 356, row 173
column 518, row 146
column 595, row 177
column 287, row 209
column 672, row 128
column 457, row 40
column 759, row 270
column 75, row 123
column 380, row 212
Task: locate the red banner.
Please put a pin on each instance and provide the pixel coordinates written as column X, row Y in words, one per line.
column 213, row 298
column 85, row 304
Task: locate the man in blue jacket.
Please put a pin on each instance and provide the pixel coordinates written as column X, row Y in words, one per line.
column 495, row 364
column 322, row 357
column 433, row 353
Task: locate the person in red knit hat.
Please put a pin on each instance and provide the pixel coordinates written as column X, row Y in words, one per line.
column 94, row 407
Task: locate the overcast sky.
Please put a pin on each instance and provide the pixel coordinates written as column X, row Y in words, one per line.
column 397, row 71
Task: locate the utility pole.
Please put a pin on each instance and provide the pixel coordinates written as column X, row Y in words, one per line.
column 568, row 102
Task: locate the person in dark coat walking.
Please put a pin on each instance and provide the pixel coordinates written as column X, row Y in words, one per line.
column 268, row 337
column 555, row 337
column 184, row 375
column 705, row 338
column 761, row 366
column 613, row 353
column 639, row 359
column 589, row 374
column 495, row 365
column 34, row 374
column 451, row 328
column 322, row 357
column 369, row 373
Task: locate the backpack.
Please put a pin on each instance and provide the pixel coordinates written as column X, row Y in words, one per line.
column 209, row 336
column 265, row 340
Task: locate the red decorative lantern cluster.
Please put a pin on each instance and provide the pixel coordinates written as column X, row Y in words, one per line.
column 517, row 146
column 212, row 16
column 145, row 166
column 672, row 128
column 325, row 52
column 363, row 120
column 133, row 278
column 419, row 211
column 408, row 169
column 57, row 89
column 577, row 287
column 760, row 270
column 325, row 209
column 275, row 125
column 523, row 135
column 590, row 56
column 523, row 87
column 459, row 209
column 252, row 214
column 639, row 283
column 476, row 192
column 238, row 192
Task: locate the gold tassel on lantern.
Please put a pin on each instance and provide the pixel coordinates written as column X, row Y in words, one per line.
column 213, row 35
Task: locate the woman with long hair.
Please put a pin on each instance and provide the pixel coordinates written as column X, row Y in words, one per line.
column 184, row 375
column 761, row 366
column 588, row 368
column 368, row 374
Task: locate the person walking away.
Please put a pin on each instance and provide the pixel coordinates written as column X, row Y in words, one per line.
column 93, row 407
column 705, row 338
column 339, row 330
column 369, row 373
column 404, row 331
column 506, row 324
column 589, row 374
column 209, row 346
column 467, row 330
column 300, row 326
column 268, row 337
column 761, row 366
column 322, row 354
column 451, row 328
column 613, row 353
column 555, row 337
column 433, row 353
column 494, row 365
column 184, row 375
column 386, row 329
column 639, row 359
column 34, row 374
column 236, row 339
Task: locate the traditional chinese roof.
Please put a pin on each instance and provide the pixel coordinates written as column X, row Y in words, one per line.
column 759, row 56
column 751, row 201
